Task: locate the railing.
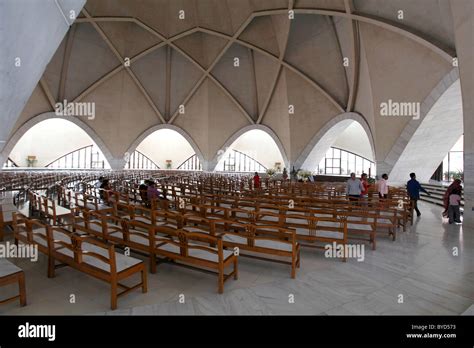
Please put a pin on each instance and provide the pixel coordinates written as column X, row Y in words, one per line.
column 140, row 161
column 237, row 161
column 192, row 163
column 86, row 157
column 10, row 163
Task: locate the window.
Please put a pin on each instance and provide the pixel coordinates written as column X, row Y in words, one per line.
column 87, row 157
column 236, row 161
column 139, row 161
column 341, row 162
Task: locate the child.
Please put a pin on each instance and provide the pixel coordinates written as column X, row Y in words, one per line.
column 453, row 209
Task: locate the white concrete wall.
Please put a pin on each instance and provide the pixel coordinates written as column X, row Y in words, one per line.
column 166, row 144
column 354, row 139
column 436, row 135
column 32, row 31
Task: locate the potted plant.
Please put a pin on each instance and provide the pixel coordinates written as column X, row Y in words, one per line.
column 31, row 160
column 169, row 163
column 271, row 172
column 304, row 175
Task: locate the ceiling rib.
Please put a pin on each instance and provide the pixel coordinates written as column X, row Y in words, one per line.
column 332, row 25
column 48, row 93
column 231, row 40
column 280, row 69
column 355, row 58
column 65, row 64
column 447, row 54
column 129, row 71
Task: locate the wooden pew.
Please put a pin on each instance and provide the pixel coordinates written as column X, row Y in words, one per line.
column 94, row 258
column 184, row 247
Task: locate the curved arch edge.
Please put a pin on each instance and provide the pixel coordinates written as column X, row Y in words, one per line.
column 18, row 134
column 405, row 136
column 177, row 129
column 212, row 165
column 354, row 116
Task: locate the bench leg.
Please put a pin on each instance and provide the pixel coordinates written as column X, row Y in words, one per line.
column 220, row 289
column 22, row 289
column 113, row 295
column 293, row 267
column 51, row 267
column 236, row 269
column 152, row 262
column 144, row 281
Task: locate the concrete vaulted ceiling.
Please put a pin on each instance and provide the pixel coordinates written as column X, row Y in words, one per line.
column 232, row 64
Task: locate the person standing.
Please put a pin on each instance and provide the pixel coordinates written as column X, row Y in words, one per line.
column 285, row 174
column 453, row 209
column 455, row 185
column 256, row 181
column 354, row 188
column 383, row 186
column 365, row 185
column 413, row 190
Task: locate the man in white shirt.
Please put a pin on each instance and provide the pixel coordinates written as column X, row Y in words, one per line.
column 383, row 186
column 354, row 188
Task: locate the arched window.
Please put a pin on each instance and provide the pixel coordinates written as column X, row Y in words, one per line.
column 192, row 163
column 10, row 163
column 253, row 151
column 87, row 157
column 236, row 161
column 341, row 162
column 138, row 160
column 58, row 143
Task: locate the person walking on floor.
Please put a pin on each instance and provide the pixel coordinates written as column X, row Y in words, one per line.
column 413, row 190
column 354, row 188
column 453, row 209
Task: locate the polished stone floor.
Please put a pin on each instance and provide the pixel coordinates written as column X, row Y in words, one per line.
column 419, row 268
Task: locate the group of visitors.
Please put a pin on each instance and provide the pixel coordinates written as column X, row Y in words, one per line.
column 358, row 188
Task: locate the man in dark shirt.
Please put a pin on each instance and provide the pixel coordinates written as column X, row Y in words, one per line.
column 413, row 189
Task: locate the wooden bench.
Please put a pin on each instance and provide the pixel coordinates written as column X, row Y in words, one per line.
column 94, row 258
column 10, row 274
column 263, row 240
column 183, row 247
column 30, row 231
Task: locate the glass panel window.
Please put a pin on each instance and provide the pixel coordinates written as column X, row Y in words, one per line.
column 358, row 165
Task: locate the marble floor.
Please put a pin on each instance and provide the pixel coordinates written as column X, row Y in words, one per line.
column 418, row 268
